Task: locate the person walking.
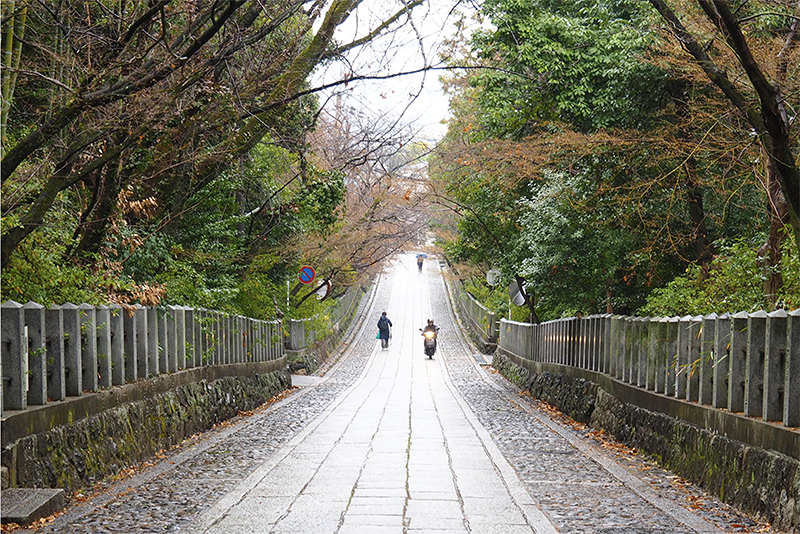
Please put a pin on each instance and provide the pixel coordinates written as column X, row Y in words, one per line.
column 384, row 325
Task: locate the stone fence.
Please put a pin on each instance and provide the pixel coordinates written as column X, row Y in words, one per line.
column 300, row 332
column 481, row 318
column 742, row 363
column 68, row 350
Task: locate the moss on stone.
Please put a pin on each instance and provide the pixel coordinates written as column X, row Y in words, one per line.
column 77, row 455
column 762, row 483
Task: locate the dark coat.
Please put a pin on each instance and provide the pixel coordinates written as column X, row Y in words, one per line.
column 383, row 326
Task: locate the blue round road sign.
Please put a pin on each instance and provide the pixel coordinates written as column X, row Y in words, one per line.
column 307, row 274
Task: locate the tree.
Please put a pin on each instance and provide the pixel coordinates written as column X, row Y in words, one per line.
column 652, row 183
column 158, row 95
column 170, row 142
column 762, row 98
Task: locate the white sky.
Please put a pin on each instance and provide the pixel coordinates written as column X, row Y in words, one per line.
column 398, row 51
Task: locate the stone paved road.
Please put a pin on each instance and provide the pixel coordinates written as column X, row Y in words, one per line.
column 391, row 442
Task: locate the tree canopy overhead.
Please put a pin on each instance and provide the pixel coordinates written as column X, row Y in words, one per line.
column 169, row 139
column 605, row 154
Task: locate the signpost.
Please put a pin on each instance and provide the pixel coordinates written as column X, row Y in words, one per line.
column 307, row 274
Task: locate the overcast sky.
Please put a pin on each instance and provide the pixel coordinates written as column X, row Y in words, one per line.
column 418, row 98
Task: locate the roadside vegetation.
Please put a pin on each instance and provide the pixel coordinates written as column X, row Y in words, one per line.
column 613, row 161
column 606, row 156
column 174, row 152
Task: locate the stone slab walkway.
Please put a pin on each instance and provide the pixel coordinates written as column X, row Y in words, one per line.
column 389, row 441
column 399, row 451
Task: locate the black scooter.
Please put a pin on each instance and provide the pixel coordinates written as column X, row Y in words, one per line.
column 429, row 341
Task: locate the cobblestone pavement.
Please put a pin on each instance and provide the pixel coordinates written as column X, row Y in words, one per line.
column 581, row 482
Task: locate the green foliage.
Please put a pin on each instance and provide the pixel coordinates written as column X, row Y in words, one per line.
column 496, row 298
column 574, row 260
column 262, row 290
column 38, row 272
column 735, row 283
column 576, row 61
column 789, row 295
column 36, row 275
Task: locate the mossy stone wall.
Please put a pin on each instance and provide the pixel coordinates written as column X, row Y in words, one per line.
column 762, row 483
column 77, row 455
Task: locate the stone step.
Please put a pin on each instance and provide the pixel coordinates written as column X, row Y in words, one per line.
column 25, row 505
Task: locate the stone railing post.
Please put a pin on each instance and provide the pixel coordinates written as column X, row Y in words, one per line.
column 592, row 343
column 14, row 356
column 269, row 332
column 626, row 346
column 162, row 350
column 205, row 345
column 152, row 341
column 754, row 368
column 271, row 329
column 230, row 338
column 117, row 351
column 606, row 344
column 738, row 362
column 243, row 346
column 235, row 341
column 708, row 328
column 775, row 365
column 683, row 364
column 143, row 356
column 613, row 346
column 297, row 334
column 180, row 337
column 217, row 337
column 56, row 372
column 671, row 343
column 72, row 349
column 695, row 362
column 129, row 344
column 103, row 346
column 37, row 353
column 557, row 341
column 581, row 344
column 652, row 351
column 193, row 338
column 641, row 351
column 722, row 362
column 661, row 357
column 172, row 339
column 791, row 391
column 190, row 350
column 88, row 347
column 257, row 340
column 599, row 340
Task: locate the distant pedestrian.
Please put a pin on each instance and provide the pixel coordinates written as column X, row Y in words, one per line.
column 384, row 330
column 419, row 263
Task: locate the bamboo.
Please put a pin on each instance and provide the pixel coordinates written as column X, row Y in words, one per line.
column 12, row 53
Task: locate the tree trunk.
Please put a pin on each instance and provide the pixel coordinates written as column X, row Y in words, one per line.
column 529, row 299
column 98, row 215
column 778, row 223
column 693, row 192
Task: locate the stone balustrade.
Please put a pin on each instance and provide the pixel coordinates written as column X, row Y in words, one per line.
column 483, row 320
column 745, row 363
column 301, row 334
column 68, row 350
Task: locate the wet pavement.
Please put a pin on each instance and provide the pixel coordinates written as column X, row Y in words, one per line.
column 390, row 441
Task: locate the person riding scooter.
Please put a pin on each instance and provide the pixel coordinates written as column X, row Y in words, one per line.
column 429, row 343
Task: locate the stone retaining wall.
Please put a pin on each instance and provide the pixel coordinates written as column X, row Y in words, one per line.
column 760, row 482
column 76, row 455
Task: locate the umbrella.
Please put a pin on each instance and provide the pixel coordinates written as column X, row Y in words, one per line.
column 422, row 255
